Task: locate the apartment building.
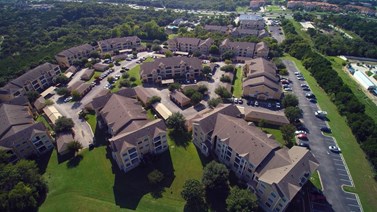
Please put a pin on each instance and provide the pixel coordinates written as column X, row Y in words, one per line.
column 275, row 174
column 67, row 57
column 245, row 49
column 171, row 67
column 37, row 79
column 191, row 45
column 251, row 22
column 114, row 44
column 132, row 134
column 20, row 136
column 261, row 80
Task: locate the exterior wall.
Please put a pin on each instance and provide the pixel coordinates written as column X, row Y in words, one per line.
column 131, row 158
column 171, row 72
column 199, row 139
column 184, row 47
column 241, row 52
column 63, row 61
column 67, row 61
column 261, row 53
column 119, row 46
column 269, row 199
column 39, row 144
column 248, row 24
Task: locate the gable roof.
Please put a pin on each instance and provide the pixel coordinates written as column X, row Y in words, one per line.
column 115, row 41
column 62, row 141
column 120, row 111
column 13, row 116
column 179, row 97
column 21, row 133
column 265, row 114
column 143, row 94
column 237, row 45
column 248, row 141
column 75, row 50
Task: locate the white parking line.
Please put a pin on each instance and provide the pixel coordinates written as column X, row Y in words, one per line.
column 353, row 199
column 339, row 164
column 352, row 205
column 343, row 174
column 337, row 159
column 345, row 180
column 344, row 170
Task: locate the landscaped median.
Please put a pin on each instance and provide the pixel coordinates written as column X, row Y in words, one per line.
column 359, row 167
column 237, row 85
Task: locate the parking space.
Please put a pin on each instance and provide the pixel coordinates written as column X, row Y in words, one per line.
column 333, row 170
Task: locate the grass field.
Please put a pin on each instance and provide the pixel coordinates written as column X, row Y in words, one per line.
column 96, row 183
column 361, row 171
column 315, row 180
column 92, row 121
column 41, row 119
column 276, row 133
column 96, row 74
column 370, row 106
column 273, row 8
column 242, row 9
column 171, row 36
column 237, row 84
column 134, row 72
column 150, row 114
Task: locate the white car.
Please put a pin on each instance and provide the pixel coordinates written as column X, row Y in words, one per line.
column 68, row 99
column 235, row 100
column 298, row 132
column 334, row 149
column 297, row 73
column 288, row 89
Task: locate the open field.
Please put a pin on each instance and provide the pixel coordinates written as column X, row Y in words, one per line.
column 242, row 9
column 273, row 8
column 359, row 167
column 370, row 106
column 237, row 84
column 93, row 182
column 315, row 180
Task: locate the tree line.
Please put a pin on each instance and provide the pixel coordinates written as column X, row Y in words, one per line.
column 33, row 37
column 362, row 126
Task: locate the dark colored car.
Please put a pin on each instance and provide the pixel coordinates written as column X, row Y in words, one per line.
column 326, row 129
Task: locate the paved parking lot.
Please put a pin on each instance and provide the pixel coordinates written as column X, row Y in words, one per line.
column 333, row 170
column 276, row 33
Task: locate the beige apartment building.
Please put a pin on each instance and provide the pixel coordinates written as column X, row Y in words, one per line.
column 245, row 49
column 20, row 136
column 132, row 134
column 114, row 44
column 37, row 79
column 261, row 80
column 191, row 45
column 66, row 57
column 251, row 22
column 275, row 174
column 171, row 67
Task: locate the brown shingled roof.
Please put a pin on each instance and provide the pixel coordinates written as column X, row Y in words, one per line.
column 147, row 68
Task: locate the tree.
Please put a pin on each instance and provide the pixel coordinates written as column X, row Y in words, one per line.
column 49, row 102
column 125, row 83
column 168, row 53
column 61, row 78
column 94, row 54
column 214, row 49
column 75, row 95
column 197, row 54
column 228, row 55
column 290, row 100
column 176, row 121
column 189, row 92
column 63, row 124
column 110, row 79
column 215, row 176
column 241, row 200
column 206, row 70
column 214, row 102
column 292, row 113
column 288, row 133
column 21, row 186
column 32, row 96
column 153, row 100
column 156, row 47
column 62, row 91
column 228, row 68
column 174, row 86
column 225, row 78
column 196, row 98
column 74, row 146
column 125, row 75
column 223, row 92
column 202, row 89
column 228, row 62
column 155, row 177
column 132, row 79
column 193, row 191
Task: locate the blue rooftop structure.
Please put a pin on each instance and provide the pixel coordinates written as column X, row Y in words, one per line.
column 245, row 17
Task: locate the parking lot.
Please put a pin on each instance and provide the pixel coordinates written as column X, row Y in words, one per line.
column 277, row 33
column 333, row 170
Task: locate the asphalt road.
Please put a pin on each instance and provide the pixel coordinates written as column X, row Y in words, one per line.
column 333, row 170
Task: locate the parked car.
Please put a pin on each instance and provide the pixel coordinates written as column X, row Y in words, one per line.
column 298, row 132
column 302, row 136
column 297, row 73
column 325, row 129
column 68, row 99
column 278, row 106
column 235, row 100
column 309, row 95
column 240, row 101
column 304, row 86
column 304, row 144
column 301, row 78
column 288, row 89
column 313, row 100
column 256, row 103
column 269, row 105
column 334, row 149
column 306, row 89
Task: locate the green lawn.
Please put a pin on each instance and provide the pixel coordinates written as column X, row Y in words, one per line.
column 273, row 8
column 150, row 114
column 41, row 119
column 242, row 9
column 171, row 36
column 134, row 72
column 237, row 83
column 96, row 74
column 301, row 33
column 315, row 180
column 276, row 133
column 96, row 184
column 370, row 106
column 92, row 121
column 361, row 171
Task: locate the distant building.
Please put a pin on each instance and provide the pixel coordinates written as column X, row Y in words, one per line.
column 171, row 67
column 364, row 80
column 37, row 79
column 251, row 22
column 218, row 29
column 275, row 174
column 87, row 75
column 114, row 44
column 20, row 136
column 256, row 4
column 191, row 45
column 261, row 80
column 67, row 57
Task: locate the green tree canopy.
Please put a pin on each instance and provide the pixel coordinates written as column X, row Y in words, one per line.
column 223, row 92
column 215, row 176
column 241, row 200
column 74, row 146
column 193, row 191
column 32, row 96
column 288, row 133
column 63, row 124
column 292, row 113
column 214, row 102
column 174, row 86
column 290, row 100
column 176, row 121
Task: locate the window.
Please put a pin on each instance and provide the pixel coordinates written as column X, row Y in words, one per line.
column 273, row 194
column 236, row 165
column 132, row 156
column 136, row 160
column 268, row 204
column 263, row 186
column 139, row 142
column 131, row 150
column 157, row 143
column 270, row 200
